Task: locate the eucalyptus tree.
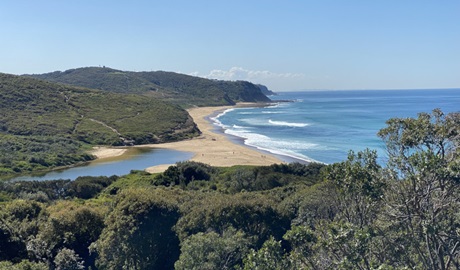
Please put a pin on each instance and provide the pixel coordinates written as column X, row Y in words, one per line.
column 423, row 197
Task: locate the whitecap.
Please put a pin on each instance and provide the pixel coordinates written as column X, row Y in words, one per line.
column 287, row 124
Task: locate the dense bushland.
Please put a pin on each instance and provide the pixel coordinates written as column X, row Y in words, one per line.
column 356, row 214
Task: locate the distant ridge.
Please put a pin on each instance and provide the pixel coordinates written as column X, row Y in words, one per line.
column 181, row 89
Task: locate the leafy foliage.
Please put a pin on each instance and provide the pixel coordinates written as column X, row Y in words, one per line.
column 360, row 185
column 138, row 233
column 83, row 187
column 213, row 251
column 423, row 198
column 23, row 265
column 66, row 259
column 66, row 234
column 255, row 215
column 270, row 256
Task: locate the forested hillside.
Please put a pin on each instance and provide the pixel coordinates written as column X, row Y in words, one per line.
column 174, row 87
column 356, row 214
column 45, row 124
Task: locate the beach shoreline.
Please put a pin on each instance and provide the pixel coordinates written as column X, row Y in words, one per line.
column 211, row 147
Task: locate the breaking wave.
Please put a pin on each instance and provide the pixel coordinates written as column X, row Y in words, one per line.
column 287, row 124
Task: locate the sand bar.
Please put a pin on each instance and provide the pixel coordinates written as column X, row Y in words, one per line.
column 107, row 152
column 211, row 147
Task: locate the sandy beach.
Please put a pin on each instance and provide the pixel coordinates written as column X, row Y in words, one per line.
column 210, row 147
column 214, row 148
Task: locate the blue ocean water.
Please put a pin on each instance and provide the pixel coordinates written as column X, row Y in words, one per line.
column 323, row 126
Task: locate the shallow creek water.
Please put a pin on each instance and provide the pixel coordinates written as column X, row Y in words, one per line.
column 133, row 159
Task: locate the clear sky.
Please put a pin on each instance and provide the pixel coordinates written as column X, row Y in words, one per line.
column 287, row 45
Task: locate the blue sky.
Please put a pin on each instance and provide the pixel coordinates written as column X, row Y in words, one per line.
column 287, row 45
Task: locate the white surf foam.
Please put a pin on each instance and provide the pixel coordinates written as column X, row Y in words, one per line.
column 222, row 113
column 274, row 146
column 287, row 124
column 291, row 149
column 216, row 120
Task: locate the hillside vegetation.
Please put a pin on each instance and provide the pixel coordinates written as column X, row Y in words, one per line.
column 177, row 88
column 45, row 124
column 355, row 214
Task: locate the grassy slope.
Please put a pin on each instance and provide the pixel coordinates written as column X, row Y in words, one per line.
column 44, row 124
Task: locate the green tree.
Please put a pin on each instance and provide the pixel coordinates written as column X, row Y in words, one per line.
column 213, row 251
column 255, row 215
column 302, row 241
column 184, row 173
column 269, row 257
column 19, row 220
column 69, row 226
column 138, row 232
column 23, row 265
column 360, row 187
column 422, row 200
column 67, row 259
column 346, row 246
column 312, row 204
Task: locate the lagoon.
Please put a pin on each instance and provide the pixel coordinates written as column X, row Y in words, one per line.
column 133, row 159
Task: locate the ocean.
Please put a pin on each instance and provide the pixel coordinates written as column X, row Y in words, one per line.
column 323, row 126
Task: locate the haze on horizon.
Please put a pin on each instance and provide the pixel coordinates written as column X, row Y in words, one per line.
column 285, row 45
